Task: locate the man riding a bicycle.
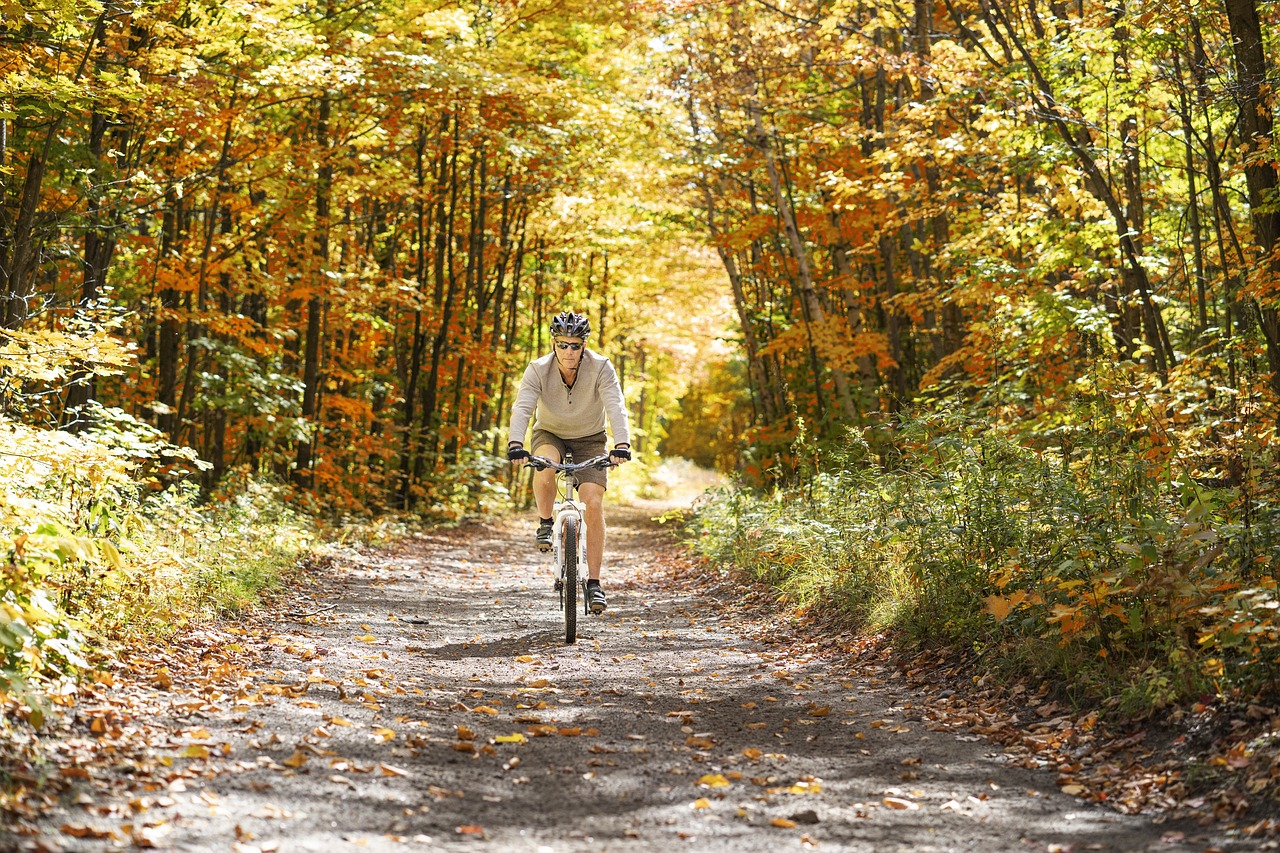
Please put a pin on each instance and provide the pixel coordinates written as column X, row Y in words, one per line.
column 573, row 392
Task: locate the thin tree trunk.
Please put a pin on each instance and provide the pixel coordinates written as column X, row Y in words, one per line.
column 303, row 475
column 812, row 308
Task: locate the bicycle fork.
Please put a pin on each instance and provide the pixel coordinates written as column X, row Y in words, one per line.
column 577, row 510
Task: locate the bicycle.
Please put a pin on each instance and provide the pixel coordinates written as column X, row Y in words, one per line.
column 569, row 537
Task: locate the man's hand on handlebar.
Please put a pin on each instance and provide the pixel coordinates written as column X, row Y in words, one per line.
column 517, row 454
column 620, row 454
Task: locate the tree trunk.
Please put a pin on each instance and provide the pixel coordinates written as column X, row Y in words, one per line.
column 303, row 474
column 1255, row 99
column 812, row 308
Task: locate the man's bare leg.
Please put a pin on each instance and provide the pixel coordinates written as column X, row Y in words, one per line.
column 592, row 495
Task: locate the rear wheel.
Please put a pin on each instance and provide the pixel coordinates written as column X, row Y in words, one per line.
column 569, row 548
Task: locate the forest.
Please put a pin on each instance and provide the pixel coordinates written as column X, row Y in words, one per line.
column 976, row 303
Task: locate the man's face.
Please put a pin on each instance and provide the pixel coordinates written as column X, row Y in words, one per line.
column 569, row 351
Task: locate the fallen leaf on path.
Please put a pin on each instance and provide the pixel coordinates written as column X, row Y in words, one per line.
column 195, row 751
column 752, row 753
column 484, row 709
column 900, row 804
column 465, row 733
column 392, row 770
column 783, row 823
column 512, row 738
column 806, row 787
column 471, row 829
column 713, row 780
column 86, row 831
column 464, row 746
column 820, row 712
column 382, row 735
column 702, row 803
column 699, row 742
column 296, row 760
column 526, row 659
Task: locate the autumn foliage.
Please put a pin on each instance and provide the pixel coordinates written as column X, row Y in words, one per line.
column 1006, row 285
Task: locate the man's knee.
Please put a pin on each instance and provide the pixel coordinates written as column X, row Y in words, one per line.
column 593, row 496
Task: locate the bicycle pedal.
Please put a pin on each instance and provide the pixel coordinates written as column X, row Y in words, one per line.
column 544, row 547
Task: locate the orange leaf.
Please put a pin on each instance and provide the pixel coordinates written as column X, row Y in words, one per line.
column 900, row 804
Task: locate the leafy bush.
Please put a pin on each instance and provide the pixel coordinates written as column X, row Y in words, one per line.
column 1108, row 564
column 107, row 542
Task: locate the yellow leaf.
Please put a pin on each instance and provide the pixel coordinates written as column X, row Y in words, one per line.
column 296, row 760
column 367, row 638
column 511, row 738
column 199, row 734
column 484, row 709
column 805, row 788
column 752, row 753
column 714, row 780
column 465, row 733
column 526, row 659
column 541, row 682
column 195, row 751
column 339, row 721
column 384, row 735
column 783, row 823
column 702, row 803
column 820, row 712
column 391, row 770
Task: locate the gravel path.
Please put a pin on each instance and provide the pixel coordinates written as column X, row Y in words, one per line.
column 434, row 704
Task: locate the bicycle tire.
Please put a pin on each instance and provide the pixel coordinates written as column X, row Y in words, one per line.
column 569, row 546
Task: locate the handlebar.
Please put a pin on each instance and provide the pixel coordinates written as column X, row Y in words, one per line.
column 597, row 462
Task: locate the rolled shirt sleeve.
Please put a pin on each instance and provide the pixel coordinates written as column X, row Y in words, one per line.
column 526, row 401
column 615, row 405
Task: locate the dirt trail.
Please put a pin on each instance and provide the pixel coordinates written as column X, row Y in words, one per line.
column 434, row 704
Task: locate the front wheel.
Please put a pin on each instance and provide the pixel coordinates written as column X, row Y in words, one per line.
column 569, row 547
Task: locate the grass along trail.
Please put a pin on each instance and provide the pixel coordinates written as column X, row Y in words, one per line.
column 419, row 696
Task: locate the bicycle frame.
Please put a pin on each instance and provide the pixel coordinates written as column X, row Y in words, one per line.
column 570, row 523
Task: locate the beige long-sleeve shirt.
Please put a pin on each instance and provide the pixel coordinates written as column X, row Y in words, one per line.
column 570, row 412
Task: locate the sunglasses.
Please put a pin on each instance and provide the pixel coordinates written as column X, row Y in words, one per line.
column 567, row 345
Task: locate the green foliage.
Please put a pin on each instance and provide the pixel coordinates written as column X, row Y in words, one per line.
column 1109, row 565
column 106, row 543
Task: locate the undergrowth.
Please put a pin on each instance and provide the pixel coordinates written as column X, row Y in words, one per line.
column 1119, row 571
column 107, row 543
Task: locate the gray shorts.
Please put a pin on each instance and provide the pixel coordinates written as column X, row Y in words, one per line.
column 582, row 450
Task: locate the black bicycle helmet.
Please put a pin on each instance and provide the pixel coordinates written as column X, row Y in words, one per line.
column 570, row 325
